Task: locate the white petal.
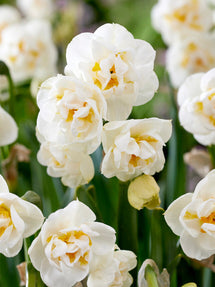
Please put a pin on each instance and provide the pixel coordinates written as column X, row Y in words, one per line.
column 8, row 128
column 173, row 212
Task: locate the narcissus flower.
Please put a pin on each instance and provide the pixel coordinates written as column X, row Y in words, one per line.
column 113, row 270
column 192, row 217
column 197, row 106
column 28, row 50
column 8, row 15
column 74, row 167
column 8, row 128
column 18, row 219
column 68, row 244
column 134, row 147
column 181, row 18
column 71, row 112
column 190, row 55
column 36, row 8
column 121, row 66
column 143, row 191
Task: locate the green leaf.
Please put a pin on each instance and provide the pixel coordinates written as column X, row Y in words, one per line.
column 33, row 197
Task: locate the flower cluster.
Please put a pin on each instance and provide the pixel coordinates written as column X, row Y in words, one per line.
column 72, row 246
column 26, row 46
column 185, row 26
column 107, row 73
column 192, row 217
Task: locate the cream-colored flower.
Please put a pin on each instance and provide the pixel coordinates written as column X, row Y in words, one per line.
column 68, row 244
column 162, row 279
column 192, row 217
column 190, row 55
column 112, row 270
column 74, row 167
column 134, row 147
column 36, row 8
column 18, row 219
column 121, row 66
column 8, row 15
column 28, row 50
column 197, row 106
column 181, row 18
column 143, row 191
column 8, row 128
column 71, row 112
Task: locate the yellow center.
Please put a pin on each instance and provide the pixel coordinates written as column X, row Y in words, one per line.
column 71, row 238
column 205, row 219
column 5, row 214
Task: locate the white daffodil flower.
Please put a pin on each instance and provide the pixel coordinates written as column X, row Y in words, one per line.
column 68, row 244
column 28, row 50
column 181, row 18
column 8, row 15
column 121, row 66
column 112, row 269
column 71, row 112
column 36, row 9
column 18, row 219
column 192, row 217
column 74, row 167
column 190, row 55
column 8, row 128
column 162, row 279
column 134, row 147
column 197, row 106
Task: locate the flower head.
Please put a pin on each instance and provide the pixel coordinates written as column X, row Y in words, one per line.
column 28, row 50
column 181, row 18
column 190, row 55
column 68, row 244
column 74, row 167
column 121, row 66
column 8, row 15
column 37, row 9
column 192, row 217
column 197, row 106
column 134, row 147
column 113, row 270
column 71, row 112
column 18, row 219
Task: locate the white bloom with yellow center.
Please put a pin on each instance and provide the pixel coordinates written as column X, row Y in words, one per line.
column 36, row 8
column 190, row 55
column 192, row 217
column 181, row 18
column 134, row 147
column 196, row 98
column 8, row 128
column 8, row 15
column 68, row 244
column 121, row 66
column 28, row 50
column 18, row 219
column 71, row 112
column 74, row 167
column 112, row 270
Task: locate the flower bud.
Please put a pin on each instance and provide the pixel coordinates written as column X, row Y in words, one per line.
column 143, row 191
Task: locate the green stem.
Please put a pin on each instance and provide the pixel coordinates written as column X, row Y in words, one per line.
column 211, row 150
column 151, row 277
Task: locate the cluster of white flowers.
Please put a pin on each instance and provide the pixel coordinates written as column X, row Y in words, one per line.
column 192, row 217
column 72, row 246
column 107, row 73
column 185, row 26
column 26, row 46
